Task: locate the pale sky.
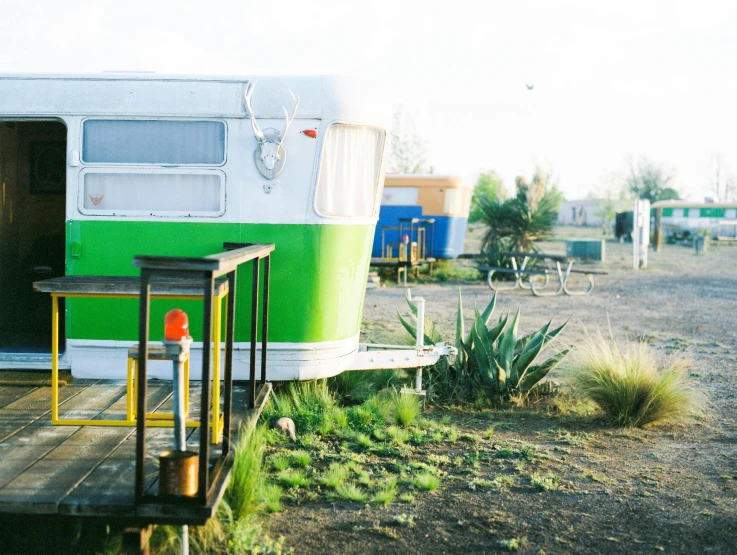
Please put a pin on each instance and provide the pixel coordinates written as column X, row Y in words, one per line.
column 613, row 79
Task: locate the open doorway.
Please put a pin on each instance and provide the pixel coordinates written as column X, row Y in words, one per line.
column 32, row 243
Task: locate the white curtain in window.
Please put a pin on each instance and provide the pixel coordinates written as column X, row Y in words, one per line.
column 454, row 201
column 349, row 174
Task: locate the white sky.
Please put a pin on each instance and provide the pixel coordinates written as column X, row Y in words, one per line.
column 612, row 79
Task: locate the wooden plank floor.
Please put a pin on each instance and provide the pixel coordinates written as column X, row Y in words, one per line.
column 80, row 471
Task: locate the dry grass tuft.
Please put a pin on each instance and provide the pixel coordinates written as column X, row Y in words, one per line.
column 635, row 386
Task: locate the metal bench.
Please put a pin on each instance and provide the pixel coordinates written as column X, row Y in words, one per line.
column 519, row 274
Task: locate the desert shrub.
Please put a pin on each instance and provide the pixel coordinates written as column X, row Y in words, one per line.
column 384, row 496
column 426, row 481
column 271, row 495
column 351, row 492
column 293, row 478
column 372, row 413
column 453, row 270
column 399, row 436
column 356, row 387
column 494, row 360
column 280, row 461
column 335, row 476
column 312, row 406
column 634, row 386
column 545, row 483
column 301, row 458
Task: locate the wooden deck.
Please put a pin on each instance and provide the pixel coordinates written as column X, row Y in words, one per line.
column 88, row 471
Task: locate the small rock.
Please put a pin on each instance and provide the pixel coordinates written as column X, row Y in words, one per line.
column 286, row 426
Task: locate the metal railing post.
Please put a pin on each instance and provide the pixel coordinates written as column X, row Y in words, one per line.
column 265, row 318
column 420, row 342
column 254, row 335
column 142, row 408
column 204, row 463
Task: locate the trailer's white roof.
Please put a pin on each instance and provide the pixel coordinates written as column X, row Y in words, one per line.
column 151, row 94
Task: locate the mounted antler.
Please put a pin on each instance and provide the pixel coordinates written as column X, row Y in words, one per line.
column 287, row 119
column 247, row 97
column 270, row 155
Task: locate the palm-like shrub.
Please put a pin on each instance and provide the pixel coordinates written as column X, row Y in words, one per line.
column 635, row 386
column 517, row 223
column 492, row 360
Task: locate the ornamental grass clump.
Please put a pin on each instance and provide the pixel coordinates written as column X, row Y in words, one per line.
column 242, row 493
column 634, row 387
column 406, row 409
column 335, row 476
column 351, row 492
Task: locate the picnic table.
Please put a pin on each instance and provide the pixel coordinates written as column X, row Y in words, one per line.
column 553, row 265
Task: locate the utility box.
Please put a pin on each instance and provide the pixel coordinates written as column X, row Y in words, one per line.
column 624, row 223
column 700, row 243
column 590, row 249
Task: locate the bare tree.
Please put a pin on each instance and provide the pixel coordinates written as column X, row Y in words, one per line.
column 722, row 181
column 648, row 180
column 610, row 193
column 730, row 186
column 409, row 151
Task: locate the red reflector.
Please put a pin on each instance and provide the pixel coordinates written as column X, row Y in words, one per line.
column 176, row 325
column 312, row 133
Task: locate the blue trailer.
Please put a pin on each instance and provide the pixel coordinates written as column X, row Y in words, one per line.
column 443, row 201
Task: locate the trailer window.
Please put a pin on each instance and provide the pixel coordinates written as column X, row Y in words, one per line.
column 349, row 173
column 399, row 196
column 153, row 142
column 172, row 193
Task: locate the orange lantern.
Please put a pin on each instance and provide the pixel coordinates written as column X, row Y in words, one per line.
column 176, row 325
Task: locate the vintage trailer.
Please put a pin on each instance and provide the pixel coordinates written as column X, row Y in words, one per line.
column 444, row 199
column 691, row 217
column 96, row 169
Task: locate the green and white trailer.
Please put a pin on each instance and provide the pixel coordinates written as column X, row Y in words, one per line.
column 692, row 217
column 96, row 169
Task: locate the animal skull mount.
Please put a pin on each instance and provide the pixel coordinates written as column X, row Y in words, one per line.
column 270, row 155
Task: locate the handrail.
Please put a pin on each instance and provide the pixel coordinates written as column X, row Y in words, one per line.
column 205, row 270
column 220, row 263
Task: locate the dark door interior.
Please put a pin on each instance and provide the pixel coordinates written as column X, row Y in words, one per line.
column 32, row 220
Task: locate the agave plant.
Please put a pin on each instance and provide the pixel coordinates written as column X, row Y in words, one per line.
column 504, row 361
column 495, row 356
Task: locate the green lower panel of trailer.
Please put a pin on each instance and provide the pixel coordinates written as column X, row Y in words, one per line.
column 318, row 276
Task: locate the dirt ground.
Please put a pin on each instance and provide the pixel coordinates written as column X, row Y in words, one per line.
column 671, row 489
